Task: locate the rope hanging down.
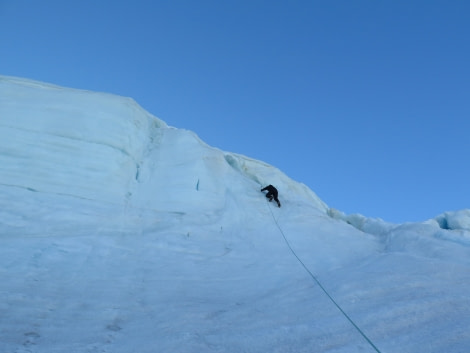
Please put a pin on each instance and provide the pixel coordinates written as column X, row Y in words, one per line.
column 320, row 285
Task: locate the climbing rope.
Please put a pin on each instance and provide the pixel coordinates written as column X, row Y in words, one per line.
column 320, row 285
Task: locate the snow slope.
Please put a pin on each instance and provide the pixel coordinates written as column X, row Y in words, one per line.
column 121, row 234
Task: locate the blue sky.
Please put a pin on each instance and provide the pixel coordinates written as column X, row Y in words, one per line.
column 366, row 102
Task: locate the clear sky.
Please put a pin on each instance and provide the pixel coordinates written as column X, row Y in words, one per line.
column 366, row 102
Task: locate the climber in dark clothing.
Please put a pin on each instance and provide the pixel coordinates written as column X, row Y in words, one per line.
column 272, row 194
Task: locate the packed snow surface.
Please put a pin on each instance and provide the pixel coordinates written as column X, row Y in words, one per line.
column 121, row 234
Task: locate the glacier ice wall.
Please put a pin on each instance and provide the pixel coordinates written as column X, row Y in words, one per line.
column 98, row 147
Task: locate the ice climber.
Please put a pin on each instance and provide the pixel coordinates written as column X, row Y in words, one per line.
column 272, row 194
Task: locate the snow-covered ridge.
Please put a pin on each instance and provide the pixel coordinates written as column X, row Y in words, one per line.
column 105, row 148
column 453, row 226
column 102, row 147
